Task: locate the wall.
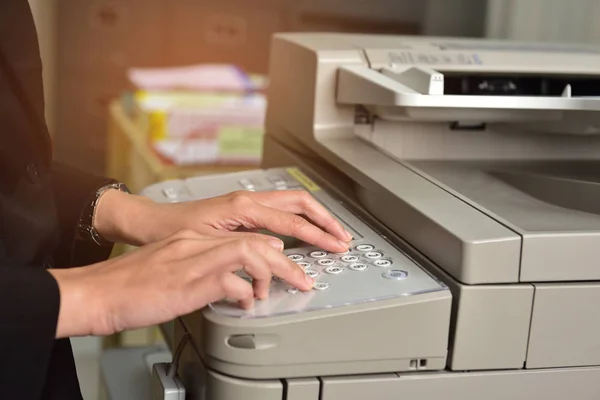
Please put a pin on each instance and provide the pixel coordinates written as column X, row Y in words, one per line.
column 44, row 15
column 574, row 21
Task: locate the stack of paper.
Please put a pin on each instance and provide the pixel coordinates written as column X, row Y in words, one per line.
column 201, row 114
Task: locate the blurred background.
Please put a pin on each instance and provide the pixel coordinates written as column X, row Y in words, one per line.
column 146, row 90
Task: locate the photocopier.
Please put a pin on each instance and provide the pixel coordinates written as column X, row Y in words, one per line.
column 468, row 173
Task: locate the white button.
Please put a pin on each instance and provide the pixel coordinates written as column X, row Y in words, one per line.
column 382, row 263
column 304, row 265
column 350, row 259
column 170, row 193
column 373, row 254
column 292, row 291
column 326, row 262
column 295, row 257
column 395, row 274
column 318, row 254
column 358, row 267
column 277, row 180
column 247, row 184
column 312, row 273
column 321, row 286
column 365, row 247
column 333, row 270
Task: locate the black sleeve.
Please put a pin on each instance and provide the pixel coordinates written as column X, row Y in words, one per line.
column 73, row 190
column 29, row 306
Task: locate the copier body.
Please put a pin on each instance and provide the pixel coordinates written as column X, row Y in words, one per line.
column 475, row 162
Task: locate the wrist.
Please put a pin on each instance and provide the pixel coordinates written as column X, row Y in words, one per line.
column 75, row 314
column 126, row 218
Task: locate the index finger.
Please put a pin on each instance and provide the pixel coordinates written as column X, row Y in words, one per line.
column 289, row 224
column 303, row 203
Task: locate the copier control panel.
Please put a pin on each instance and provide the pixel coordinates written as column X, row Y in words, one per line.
column 371, row 270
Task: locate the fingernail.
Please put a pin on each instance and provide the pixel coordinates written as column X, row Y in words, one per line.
column 348, row 235
column 309, row 280
column 343, row 244
column 278, row 244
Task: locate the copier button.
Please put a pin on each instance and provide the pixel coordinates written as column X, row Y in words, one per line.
column 318, row 254
column 295, row 257
column 321, row 286
column 277, row 180
column 395, row 274
column 170, row 193
column 312, row 273
column 326, row 262
column 247, row 184
column 382, row 263
column 365, row 247
column 304, row 265
column 350, row 258
column 292, row 290
column 333, row 270
column 373, row 255
column 358, row 267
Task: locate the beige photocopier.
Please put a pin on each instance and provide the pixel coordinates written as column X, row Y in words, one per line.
column 468, row 172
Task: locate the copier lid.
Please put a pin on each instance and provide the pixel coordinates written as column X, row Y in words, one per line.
column 473, row 81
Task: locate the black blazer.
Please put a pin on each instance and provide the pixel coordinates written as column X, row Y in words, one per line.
column 40, row 205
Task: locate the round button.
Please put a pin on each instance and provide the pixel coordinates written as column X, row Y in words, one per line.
column 358, row 267
column 365, row 247
column 395, row 274
column 382, row 263
column 350, row 259
column 295, row 257
column 318, row 254
column 326, row 262
column 292, row 290
column 373, row 255
column 312, row 273
column 334, row 270
column 321, row 286
column 304, row 265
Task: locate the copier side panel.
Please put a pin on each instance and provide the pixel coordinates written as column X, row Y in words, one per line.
column 565, row 326
column 556, row 384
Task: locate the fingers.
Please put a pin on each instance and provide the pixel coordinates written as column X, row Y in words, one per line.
column 237, row 289
column 188, row 244
column 259, row 259
column 301, row 202
column 273, row 241
column 288, row 224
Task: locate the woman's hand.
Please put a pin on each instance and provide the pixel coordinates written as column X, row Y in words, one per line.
column 138, row 221
column 170, row 278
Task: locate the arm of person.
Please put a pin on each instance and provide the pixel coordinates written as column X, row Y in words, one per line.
column 73, row 190
column 29, row 308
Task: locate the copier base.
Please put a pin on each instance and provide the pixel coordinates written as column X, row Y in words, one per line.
column 549, row 384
